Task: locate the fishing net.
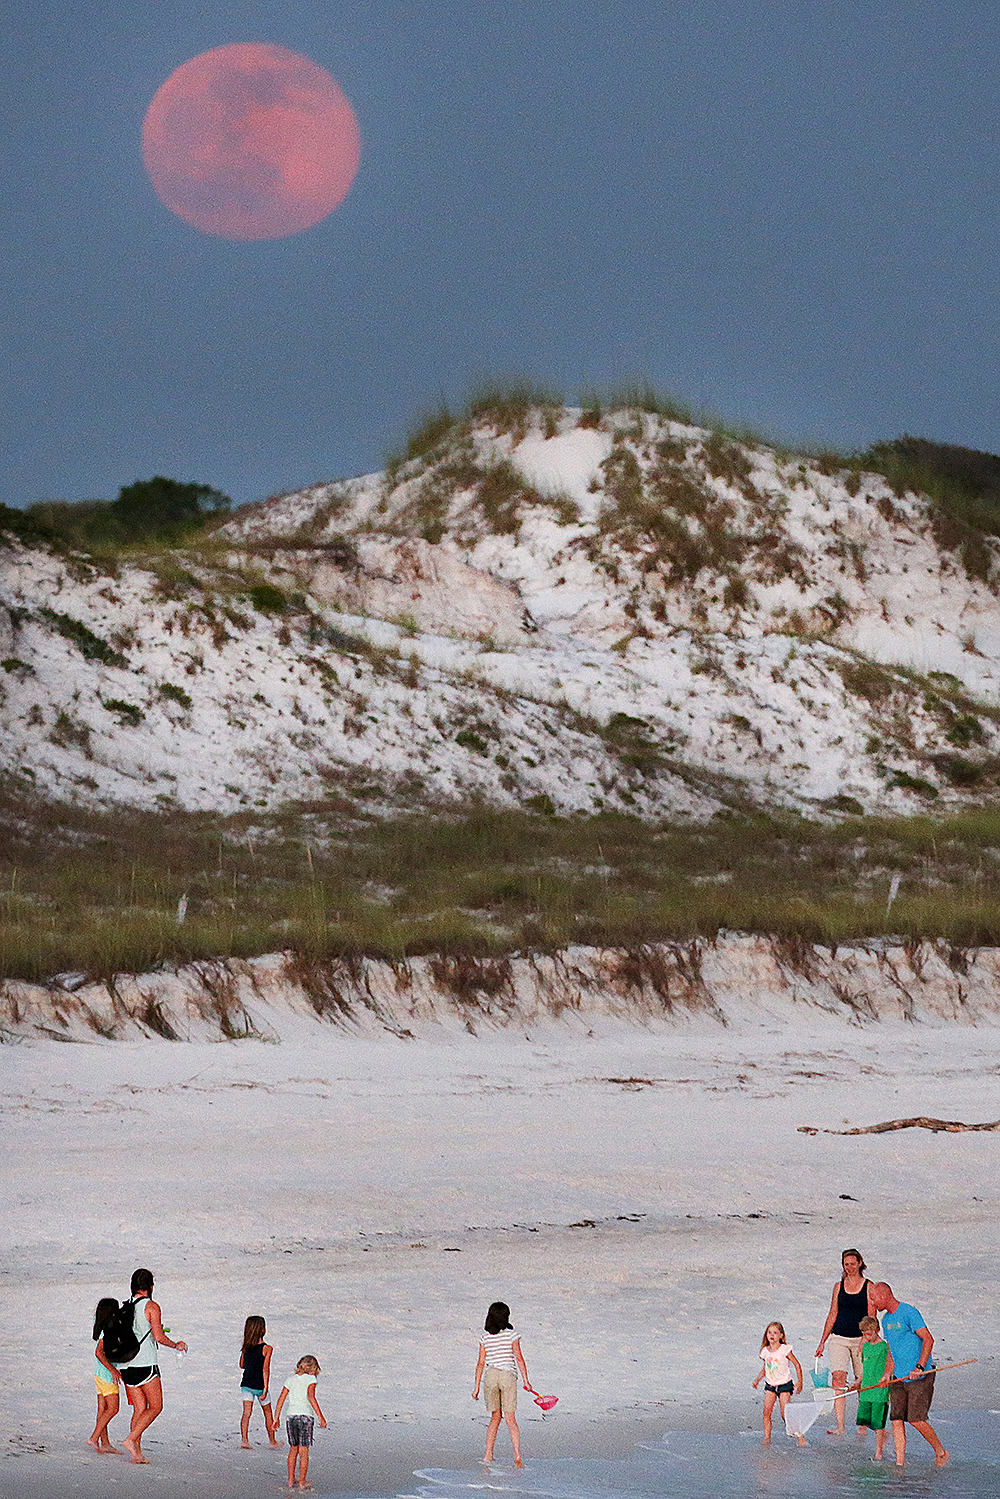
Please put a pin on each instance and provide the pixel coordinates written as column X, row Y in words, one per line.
column 801, row 1414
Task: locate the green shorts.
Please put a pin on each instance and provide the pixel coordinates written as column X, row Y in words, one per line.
column 873, row 1410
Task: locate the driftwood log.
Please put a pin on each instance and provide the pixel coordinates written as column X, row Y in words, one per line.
column 920, row 1121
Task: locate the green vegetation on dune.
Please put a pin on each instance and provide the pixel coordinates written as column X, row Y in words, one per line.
column 150, row 510
column 100, row 893
column 81, row 892
column 964, row 482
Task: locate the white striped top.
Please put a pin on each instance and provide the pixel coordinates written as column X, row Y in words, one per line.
column 500, row 1349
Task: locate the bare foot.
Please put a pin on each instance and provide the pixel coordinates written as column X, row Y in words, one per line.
column 134, row 1452
column 941, row 1459
column 834, row 1431
column 305, row 1485
column 519, row 1464
column 109, row 1448
column 801, row 1439
column 92, row 1443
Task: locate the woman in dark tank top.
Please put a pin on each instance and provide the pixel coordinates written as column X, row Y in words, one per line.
column 851, row 1300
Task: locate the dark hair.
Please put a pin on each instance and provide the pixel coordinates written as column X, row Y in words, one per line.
column 253, row 1332
column 498, row 1318
column 106, row 1308
column 857, row 1255
column 142, row 1280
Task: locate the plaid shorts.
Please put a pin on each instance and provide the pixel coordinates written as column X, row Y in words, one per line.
column 299, row 1430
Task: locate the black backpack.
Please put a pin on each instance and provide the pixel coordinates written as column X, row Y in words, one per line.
column 120, row 1342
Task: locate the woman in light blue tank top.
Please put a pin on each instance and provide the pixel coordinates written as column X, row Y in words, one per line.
column 141, row 1374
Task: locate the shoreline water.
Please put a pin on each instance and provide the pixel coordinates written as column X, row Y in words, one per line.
column 586, row 1457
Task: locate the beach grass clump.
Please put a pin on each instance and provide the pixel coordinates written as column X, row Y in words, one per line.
column 175, row 694
column 129, row 715
column 510, row 408
column 92, row 647
column 100, row 894
column 267, row 598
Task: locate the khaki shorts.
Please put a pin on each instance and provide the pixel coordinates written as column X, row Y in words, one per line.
column 844, row 1354
column 910, row 1399
column 500, row 1390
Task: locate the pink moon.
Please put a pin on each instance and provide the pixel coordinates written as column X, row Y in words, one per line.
column 251, row 142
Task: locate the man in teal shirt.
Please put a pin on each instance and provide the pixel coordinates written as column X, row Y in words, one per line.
column 911, row 1387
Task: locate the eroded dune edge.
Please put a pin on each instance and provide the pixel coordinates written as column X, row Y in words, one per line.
column 732, row 981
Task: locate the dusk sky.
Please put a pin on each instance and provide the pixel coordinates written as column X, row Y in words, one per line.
column 784, row 212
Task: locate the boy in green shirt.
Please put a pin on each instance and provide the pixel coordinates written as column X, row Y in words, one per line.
column 873, row 1405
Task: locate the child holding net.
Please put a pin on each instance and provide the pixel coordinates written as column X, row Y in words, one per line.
column 873, row 1404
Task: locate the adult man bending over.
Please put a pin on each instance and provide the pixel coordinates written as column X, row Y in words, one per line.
column 910, row 1385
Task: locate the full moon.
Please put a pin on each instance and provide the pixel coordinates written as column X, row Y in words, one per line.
column 251, row 142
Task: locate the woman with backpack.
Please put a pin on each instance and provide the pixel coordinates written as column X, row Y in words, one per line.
column 139, row 1370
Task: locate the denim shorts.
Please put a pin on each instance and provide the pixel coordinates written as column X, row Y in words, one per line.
column 299, row 1430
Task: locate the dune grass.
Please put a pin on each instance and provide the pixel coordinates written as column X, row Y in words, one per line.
column 102, row 894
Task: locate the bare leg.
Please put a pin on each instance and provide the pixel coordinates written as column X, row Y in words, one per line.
column 303, row 1468
column 272, row 1426
column 769, row 1399
column 107, row 1409
column 899, row 1441
column 491, row 1435
column 879, row 1444
column 515, row 1436
column 245, row 1423
column 928, row 1433
column 293, row 1457
column 147, row 1403
column 783, row 1401
column 839, row 1405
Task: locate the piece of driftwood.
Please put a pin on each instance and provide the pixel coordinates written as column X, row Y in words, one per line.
column 920, row 1121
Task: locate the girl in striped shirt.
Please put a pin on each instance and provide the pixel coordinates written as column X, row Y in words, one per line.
column 500, row 1356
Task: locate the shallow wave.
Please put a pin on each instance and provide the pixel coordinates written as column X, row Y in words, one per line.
column 686, row 1465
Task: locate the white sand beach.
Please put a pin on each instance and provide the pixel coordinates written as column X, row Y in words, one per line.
column 644, row 1200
